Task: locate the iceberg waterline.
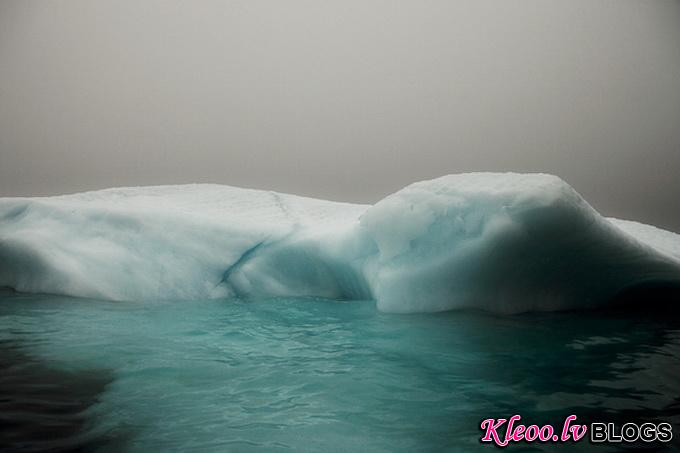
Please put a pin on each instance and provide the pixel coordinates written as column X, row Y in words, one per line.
column 500, row 242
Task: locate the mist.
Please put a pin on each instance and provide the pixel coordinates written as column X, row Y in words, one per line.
column 345, row 100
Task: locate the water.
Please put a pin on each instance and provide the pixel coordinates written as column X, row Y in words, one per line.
column 317, row 375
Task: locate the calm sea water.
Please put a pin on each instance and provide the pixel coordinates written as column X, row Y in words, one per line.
column 316, row 375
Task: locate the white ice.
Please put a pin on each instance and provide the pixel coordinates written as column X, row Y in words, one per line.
column 500, row 242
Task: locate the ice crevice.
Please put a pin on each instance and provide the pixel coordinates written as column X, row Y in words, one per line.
column 241, row 259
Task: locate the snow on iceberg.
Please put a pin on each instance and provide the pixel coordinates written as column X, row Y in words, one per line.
column 499, row 242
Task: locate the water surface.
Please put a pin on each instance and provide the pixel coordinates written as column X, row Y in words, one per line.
column 318, row 375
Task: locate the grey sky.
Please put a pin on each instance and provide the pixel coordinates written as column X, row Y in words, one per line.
column 343, row 99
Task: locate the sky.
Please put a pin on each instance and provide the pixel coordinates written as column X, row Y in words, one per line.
column 342, row 99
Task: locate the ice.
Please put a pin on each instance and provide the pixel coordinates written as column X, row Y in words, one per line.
column 173, row 242
column 507, row 243
column 499, row 242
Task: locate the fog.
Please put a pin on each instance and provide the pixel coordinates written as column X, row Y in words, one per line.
column 346, row 100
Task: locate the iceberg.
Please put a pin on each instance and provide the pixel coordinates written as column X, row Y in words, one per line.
column 501, row 242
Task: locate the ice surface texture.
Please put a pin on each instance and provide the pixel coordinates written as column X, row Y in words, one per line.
column 499, row 242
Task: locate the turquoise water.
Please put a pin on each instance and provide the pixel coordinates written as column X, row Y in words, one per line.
column 319, row 375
